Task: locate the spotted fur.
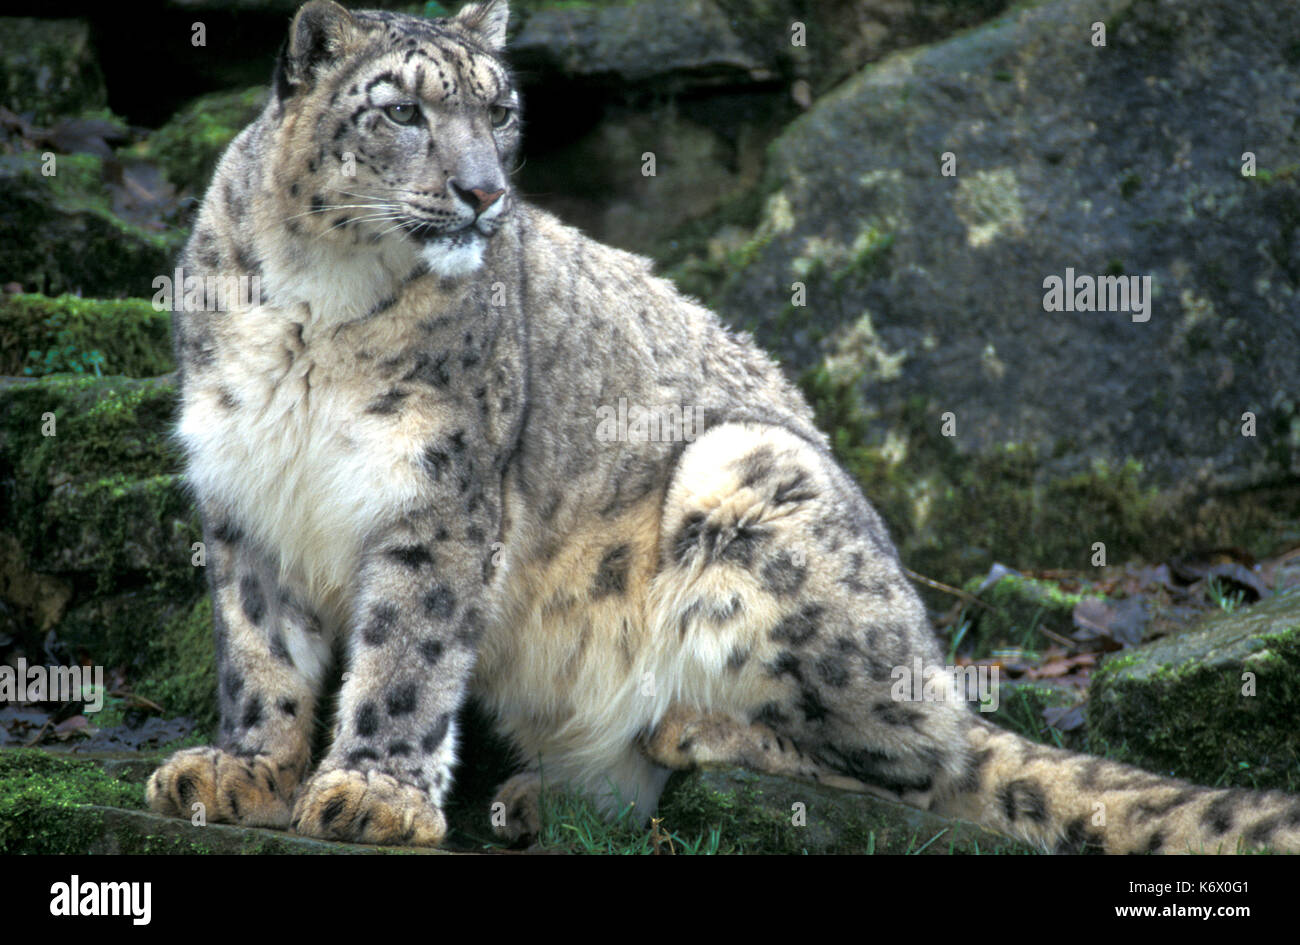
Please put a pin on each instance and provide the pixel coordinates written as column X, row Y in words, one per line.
column 399, row 452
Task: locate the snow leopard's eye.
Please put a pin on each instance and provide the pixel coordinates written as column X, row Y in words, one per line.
column 402, row 114
column 500, row 115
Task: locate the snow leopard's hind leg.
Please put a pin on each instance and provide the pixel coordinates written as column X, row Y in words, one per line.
column 781, row 605
column 784, row 613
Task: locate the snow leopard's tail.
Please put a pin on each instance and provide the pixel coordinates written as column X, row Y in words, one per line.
column 1072, row 803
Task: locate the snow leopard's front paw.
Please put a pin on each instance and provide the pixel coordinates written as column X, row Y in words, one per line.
column 367, row 807
column 255, row 791
column 518, row 819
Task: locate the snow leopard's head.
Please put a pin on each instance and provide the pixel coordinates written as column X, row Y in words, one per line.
column 399, row 128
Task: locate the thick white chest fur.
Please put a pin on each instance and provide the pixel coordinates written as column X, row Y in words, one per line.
column 296, row 462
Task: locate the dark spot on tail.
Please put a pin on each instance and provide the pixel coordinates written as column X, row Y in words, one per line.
column 382, row 620
column 1261, row 833
column 1146, row 811
column 431, row 650
column 440, row 602
column 1219, row 814
column 411, row 556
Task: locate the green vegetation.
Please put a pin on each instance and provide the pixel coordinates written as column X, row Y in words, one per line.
column 182, row 677
column 574, row 825
column 189, row 146
column 43, row 801
column 41, row 336
column 1017, row 608
column 954, row 514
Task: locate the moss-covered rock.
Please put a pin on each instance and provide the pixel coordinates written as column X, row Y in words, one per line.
column 924, row 293
column 954, row 513
column 48, row 68
column 59, row 233
column 756, row 813
column 69, row 334
column 94, row 510
column 43, row 798
column 1216, row 704
column 189, row 146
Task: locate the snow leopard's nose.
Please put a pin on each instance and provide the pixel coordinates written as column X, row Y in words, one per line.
column 479, row 198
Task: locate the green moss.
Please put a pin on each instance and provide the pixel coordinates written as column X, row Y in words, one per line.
column 189, row 146
column 183, row 674
column 96, row 497
column 1017, row 608
column 93, row 506
column 104, row 430
column 43, row 801
column 954, row 514
column 61, row 235
column 40, row 336
column 691, row 256
column 572, row 824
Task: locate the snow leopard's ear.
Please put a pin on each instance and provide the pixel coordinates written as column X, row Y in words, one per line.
column 486, row 22
column 320, row 30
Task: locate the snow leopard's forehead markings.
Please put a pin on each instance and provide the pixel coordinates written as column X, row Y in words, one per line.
column 424, row 60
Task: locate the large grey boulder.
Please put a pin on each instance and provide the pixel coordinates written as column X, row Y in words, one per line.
column 925, row 293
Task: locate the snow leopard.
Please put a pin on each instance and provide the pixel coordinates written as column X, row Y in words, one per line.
column 468, row 450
